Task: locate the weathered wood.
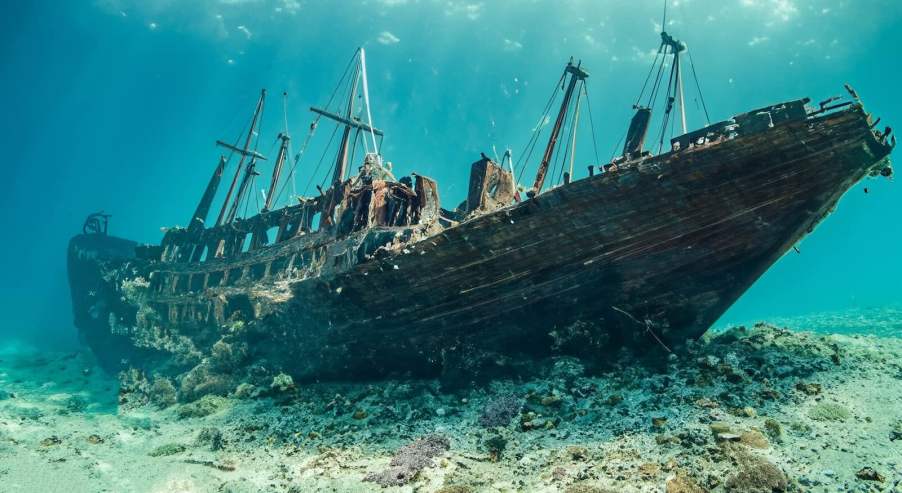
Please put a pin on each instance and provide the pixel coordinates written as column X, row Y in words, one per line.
column 654, row 251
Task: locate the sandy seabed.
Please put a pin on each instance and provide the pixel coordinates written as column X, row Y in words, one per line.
column 761, row 409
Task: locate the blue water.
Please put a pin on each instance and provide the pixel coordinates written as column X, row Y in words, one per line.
column 115, row 105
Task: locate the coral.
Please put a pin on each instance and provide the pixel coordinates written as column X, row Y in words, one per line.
column 162, row 392
column 282, row 383
column 828, row 411
column 212, row 437
column 205, row 406
column 226, row 357
column 133, row 388
column 500, row 411
column 410, row 460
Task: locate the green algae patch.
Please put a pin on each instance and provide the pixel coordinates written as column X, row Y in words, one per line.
column 829, row 411
column 205, row 406
column 168, row 449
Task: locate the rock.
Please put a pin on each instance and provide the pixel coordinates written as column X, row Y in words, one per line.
column 809, row 388
column 282, row 383
column 727, row 437
column 551, row 400
column 167, row 449
column 828, row 411
column 756, row 475
column 455, row 488
column 500, row 411
column 410, row 460
column 586, row 488
column 578, row 453
column 719, row 427
column 246, row 391
column 682, row 483
column 869, row 474
column 205, row 406
column 895, row 433
column 614, row 399
column 773, row 429
column 754, row 438
column 51, row 441
column 649, row 470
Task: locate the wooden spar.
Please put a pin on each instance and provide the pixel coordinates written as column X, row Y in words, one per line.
column 341, row 162
column 250, row 153
column 250, row 172
column 277, row 170
column 203, row 207
column 677, row 47
column 576, row 74
column 244, row 153
column 353, row 122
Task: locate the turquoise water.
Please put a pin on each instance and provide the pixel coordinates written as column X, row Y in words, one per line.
column 115, row 105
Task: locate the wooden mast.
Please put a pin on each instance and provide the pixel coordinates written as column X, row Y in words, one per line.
column 244, row 154
column 203, row 207
column 277, row 171
column 341, row 162
column 250, row 172
column 576, row 74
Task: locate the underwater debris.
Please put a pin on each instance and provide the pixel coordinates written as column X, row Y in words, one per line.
column 410, row 460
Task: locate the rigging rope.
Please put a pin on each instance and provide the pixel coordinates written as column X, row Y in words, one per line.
column 315, row 170
column 698, row 87
column 531, row 144
column 591, row 123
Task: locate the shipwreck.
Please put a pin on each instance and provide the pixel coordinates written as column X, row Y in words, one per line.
column 373, row 276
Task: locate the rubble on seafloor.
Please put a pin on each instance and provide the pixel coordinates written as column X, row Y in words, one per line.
column 763, row 409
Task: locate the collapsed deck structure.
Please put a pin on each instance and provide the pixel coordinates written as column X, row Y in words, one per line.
column 373, row 277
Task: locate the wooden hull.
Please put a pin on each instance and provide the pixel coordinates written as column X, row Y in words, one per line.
column 649, row 255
